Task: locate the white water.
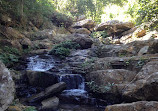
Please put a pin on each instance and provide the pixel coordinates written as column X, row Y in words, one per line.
column 75, row 85
column 43, row 63
column 75, row 82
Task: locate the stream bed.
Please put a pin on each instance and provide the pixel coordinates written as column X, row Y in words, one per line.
column 75, row 97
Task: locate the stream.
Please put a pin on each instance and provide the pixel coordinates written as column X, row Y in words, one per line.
column 75, row 97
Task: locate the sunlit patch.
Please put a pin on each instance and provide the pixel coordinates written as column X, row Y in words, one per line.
column 115, row 12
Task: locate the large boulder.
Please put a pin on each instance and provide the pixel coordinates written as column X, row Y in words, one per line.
column 41, row 79
column 114, row 27
column 135, row 106
column 82, row 31
column 87, row 23
column 48, row 92
column 116, row 76
column 145, row 84
column 7, row 88
column 114, row 79
column 84, row 43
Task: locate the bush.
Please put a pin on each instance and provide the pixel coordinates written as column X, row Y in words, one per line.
column 63, row 50
column 148, row 11
column 9, row 55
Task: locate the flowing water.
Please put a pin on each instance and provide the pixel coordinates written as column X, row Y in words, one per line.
column 75, row 92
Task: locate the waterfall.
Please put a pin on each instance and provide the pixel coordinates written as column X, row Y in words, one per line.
column 40, row 63
column 75, row 84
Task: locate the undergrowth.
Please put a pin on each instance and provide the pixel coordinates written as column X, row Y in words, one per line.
column 63, row 49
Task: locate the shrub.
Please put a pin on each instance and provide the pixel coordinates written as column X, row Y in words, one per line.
column 9, row 55
column 62, row 50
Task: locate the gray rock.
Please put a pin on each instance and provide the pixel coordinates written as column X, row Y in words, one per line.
column 143, row 50
column 41, row 79
column 87, row 23
column 7, row 88
column 85, row 43
column 145, row 84
column 48, row 92
column 135, row 106
column 50, row 103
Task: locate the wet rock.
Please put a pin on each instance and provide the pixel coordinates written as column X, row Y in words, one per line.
column 41, row 79
column 48, row 92
column 87, row 23
column 7, row 88
column 82, row 31
column 50, row 104
column 135, row 106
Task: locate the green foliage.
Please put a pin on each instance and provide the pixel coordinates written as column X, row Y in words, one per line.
column 100, row 89
column 63, row 50
column 31, row 108
column 9, row 55
column 98, row 34
column 148, row 10
column 91, row 8
column 36, row 11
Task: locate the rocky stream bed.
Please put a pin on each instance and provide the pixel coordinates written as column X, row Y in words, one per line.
column 116, row 73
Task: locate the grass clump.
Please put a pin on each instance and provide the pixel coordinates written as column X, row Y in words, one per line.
column 63, row 49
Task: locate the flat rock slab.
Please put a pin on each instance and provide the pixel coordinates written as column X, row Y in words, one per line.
column 135, row 106
column 49, row 92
